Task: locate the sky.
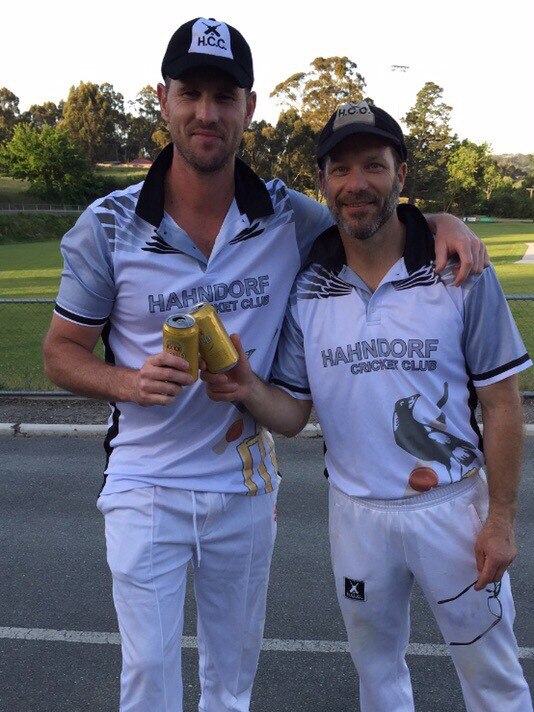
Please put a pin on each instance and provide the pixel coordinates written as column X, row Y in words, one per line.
column 478, row 52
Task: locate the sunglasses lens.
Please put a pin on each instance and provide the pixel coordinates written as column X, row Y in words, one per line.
column 495, row 606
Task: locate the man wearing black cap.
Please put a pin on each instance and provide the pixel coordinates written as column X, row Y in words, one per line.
column 394, row 357
column 187, row 480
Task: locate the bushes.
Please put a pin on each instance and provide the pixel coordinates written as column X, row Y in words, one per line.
column 34, row 228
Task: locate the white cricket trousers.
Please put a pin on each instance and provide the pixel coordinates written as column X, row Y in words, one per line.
column 378, row 548
column 152, row 533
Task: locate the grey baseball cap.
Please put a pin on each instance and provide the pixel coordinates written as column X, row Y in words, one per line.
column 360, row 118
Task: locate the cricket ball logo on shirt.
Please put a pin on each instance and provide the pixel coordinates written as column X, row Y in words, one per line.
column 429, row 442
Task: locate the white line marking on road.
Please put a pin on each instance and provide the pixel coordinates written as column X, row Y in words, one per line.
column 190, row 641
column 528, row 257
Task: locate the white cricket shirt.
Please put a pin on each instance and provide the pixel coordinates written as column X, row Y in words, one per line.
column 393, row 373
column 128, row 266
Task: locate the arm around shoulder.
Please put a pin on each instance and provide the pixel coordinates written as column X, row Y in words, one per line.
column 454, row 237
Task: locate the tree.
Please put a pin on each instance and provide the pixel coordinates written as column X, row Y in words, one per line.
column 138, row 138
column 93, row 116
column 428, row 141
column 147, row 128
column 509, row 202
column 528, row 180
column 292, row 145
column 39, row 115
column 472, row 177
column 492, row 175
column 316, row 94
column 256, row 148
column 463, row 169
column 50, row 161
column 9, row 113
column 515, row 165
column 147, row 104
column 161, row 137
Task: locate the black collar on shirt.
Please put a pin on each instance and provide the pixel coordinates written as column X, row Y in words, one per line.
column 251, row 195
column 329, row 252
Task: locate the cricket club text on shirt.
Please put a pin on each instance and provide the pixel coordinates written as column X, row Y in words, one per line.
column 383, row 355
column 247, row 293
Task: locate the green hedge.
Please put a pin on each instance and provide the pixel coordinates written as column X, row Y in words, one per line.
column 33, row 227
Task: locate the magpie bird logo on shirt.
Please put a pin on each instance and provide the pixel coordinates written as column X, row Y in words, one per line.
column 431, row 441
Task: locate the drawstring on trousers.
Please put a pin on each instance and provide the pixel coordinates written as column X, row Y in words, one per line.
column 195, row 529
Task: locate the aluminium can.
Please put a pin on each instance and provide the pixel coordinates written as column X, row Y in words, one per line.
column 216, row 347
column 180, row 338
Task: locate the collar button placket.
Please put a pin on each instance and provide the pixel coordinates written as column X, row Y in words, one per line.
column 373, row 311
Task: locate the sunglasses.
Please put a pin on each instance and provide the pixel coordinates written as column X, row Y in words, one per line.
column 494, row 607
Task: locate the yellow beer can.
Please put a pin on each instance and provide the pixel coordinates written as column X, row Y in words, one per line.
column 180, row 338
column 216, row 347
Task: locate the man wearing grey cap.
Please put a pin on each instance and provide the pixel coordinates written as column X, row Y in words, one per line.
column 187, row 480
column 394, row 358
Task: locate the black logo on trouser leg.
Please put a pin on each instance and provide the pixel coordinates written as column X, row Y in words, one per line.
column 354, row 589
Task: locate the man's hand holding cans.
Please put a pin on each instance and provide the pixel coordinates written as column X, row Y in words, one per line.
column 161, row 378
column 235, row 384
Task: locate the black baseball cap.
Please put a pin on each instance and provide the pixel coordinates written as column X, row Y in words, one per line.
column 209, row 43
column 361, row 118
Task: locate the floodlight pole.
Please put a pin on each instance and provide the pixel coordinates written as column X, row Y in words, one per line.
column 402, row 68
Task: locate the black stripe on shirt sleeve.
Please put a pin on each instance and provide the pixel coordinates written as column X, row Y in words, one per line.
column 500, row 369
column 84, row 320
column 278, row 382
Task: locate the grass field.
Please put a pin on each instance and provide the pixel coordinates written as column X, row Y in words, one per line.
column 127, row 175
column 16, row 191
column 34, row 270
column 114, row 177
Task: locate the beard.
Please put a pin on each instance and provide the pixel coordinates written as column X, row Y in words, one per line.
column 365, row 227
column 203, row 163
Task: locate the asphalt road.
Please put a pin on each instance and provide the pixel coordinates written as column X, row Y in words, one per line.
column 54, row 577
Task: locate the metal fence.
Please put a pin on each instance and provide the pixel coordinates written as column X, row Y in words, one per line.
column 24, row 322
column 40, row 208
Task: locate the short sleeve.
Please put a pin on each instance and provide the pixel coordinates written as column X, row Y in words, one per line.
column 311, row 219
column 87, row 290
column 493, row 347
column 289, row 368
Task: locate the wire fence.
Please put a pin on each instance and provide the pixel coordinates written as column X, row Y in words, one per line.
column 40, row 208
column 24, row 322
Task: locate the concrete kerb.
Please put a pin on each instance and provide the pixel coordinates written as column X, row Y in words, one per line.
column 311, row 430
column 27, row 430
